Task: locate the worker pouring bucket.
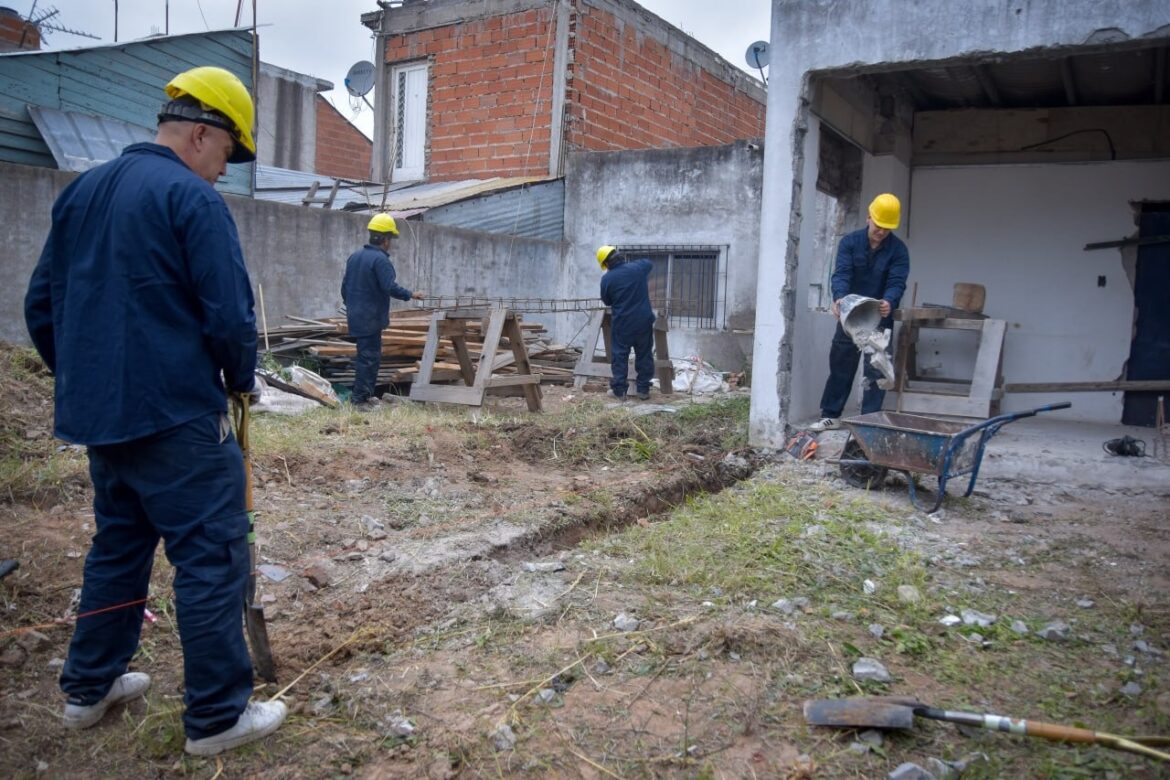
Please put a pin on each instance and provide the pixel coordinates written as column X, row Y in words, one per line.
column 860, row 315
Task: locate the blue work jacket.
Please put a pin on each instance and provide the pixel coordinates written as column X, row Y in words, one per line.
column 367, row 289
column 880, row 275
column 140, row 299
column 625, row 288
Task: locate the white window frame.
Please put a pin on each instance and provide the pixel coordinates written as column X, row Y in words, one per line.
column 408, row 115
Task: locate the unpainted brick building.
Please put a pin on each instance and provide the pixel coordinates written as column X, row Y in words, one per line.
column 473, row 89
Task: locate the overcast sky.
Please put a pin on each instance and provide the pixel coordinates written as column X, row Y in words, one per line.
column 324, row 38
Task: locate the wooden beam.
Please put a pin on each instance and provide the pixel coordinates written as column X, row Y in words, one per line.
column 1159, row 73
column 1066, row 76
column 987, row 84
column 1125, row 385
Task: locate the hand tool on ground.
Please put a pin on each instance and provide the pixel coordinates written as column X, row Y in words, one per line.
column 897, row 712
column 253, row 612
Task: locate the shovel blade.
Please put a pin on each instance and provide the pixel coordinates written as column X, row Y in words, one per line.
column 872, row 712
column 258, row 641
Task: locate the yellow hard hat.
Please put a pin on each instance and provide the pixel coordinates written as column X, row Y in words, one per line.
column 886, row 211
column 219, row 90
column 603, row 254
column 383, row 223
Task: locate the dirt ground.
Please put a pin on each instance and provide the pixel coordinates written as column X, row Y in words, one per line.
column 441, row 602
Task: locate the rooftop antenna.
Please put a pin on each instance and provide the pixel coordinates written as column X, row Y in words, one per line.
column 757, row 57
column 44, row 26
column 358, row 83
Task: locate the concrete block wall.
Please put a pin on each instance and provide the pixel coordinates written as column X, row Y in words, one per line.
column 640, row 83
column 490, row 92
column 343, row 151
column 297, row 254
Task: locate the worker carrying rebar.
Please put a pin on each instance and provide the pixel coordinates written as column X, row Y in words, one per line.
column 142, row 308
column 369, row 284
column 874, row 263
column 625, row 289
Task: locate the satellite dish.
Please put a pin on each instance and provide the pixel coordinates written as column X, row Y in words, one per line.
column 360, row 79
column 757, row 55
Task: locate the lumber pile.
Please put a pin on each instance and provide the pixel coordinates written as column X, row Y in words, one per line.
column 326, row 343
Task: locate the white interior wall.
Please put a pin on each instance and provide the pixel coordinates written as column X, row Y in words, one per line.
column 1021, row 231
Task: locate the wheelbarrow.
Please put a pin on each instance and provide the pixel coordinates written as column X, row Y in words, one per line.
column 915, row 444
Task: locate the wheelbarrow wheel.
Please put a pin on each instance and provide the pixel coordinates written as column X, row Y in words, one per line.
column 864, row 477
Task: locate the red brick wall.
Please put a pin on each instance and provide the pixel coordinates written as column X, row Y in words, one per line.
column 489, row 93
column 13, row 28
column 629, row 91
column 342, row 150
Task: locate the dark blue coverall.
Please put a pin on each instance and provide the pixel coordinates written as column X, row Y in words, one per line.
column 139, row 301
column 875, row 273
column 367, row 289
column 625, row 288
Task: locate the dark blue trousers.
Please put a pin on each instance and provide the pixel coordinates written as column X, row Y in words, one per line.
column 843, row 357
column 185, row 486
column 643, row 346
column 365, row 369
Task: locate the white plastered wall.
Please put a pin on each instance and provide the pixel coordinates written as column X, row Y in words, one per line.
column 1021, row 231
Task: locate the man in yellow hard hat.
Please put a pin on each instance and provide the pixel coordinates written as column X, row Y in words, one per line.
column 367, row 288
column 872, row 262
column 141, row 306
column 625, row 289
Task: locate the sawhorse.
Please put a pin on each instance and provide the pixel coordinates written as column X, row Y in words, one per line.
column 589, row 365
column 477, row 378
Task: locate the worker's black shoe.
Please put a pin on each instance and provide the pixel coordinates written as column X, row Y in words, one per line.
column 7, row 567
column 644, row 396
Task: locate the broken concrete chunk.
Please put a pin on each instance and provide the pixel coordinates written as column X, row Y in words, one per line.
column 877, row 630
column 973, row 617
column 543, row 567
column 273, row 572
column 870, row 669
column 908, row 594
column 400, row 725
column 624, row 622
column 1055, row 631
column 910, row 771
column 1019, row 627
column 1086, row 603
column 784, row 605
column 1131, row 689
column 950, row 620
column 503, row 738
column 869, row 586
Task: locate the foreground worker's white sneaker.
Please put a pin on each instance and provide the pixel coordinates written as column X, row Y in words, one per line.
column 825, row 424
column 258, row 720
column 129, row 686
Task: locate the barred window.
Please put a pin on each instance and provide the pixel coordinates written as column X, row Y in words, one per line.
column 687, row 284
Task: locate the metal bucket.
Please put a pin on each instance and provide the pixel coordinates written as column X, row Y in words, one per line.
column 859, row 314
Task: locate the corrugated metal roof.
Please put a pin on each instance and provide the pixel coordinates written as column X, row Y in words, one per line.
column 80, row 141
column 123, row 82
column 532, row 207
column 532, row 210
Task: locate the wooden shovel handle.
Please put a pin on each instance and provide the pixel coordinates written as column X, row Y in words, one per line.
column 1057, row 732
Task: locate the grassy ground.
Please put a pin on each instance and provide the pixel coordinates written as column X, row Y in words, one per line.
column 504, row 672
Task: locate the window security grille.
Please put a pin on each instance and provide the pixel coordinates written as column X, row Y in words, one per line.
column 400, row 125
column 687, row 285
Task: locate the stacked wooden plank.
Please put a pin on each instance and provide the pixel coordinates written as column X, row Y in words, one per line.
column 327, row 342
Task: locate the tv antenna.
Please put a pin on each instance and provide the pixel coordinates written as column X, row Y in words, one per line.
column 44, row 26
column 757, row 57
column 358, row 83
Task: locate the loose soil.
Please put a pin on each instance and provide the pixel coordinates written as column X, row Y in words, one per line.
column 396, row 593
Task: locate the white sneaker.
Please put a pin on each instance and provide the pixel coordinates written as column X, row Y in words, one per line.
column 129, row 686
column 825, row 424
column 258, row 720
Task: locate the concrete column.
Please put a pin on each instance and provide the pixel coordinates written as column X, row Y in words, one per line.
column 772, row 350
